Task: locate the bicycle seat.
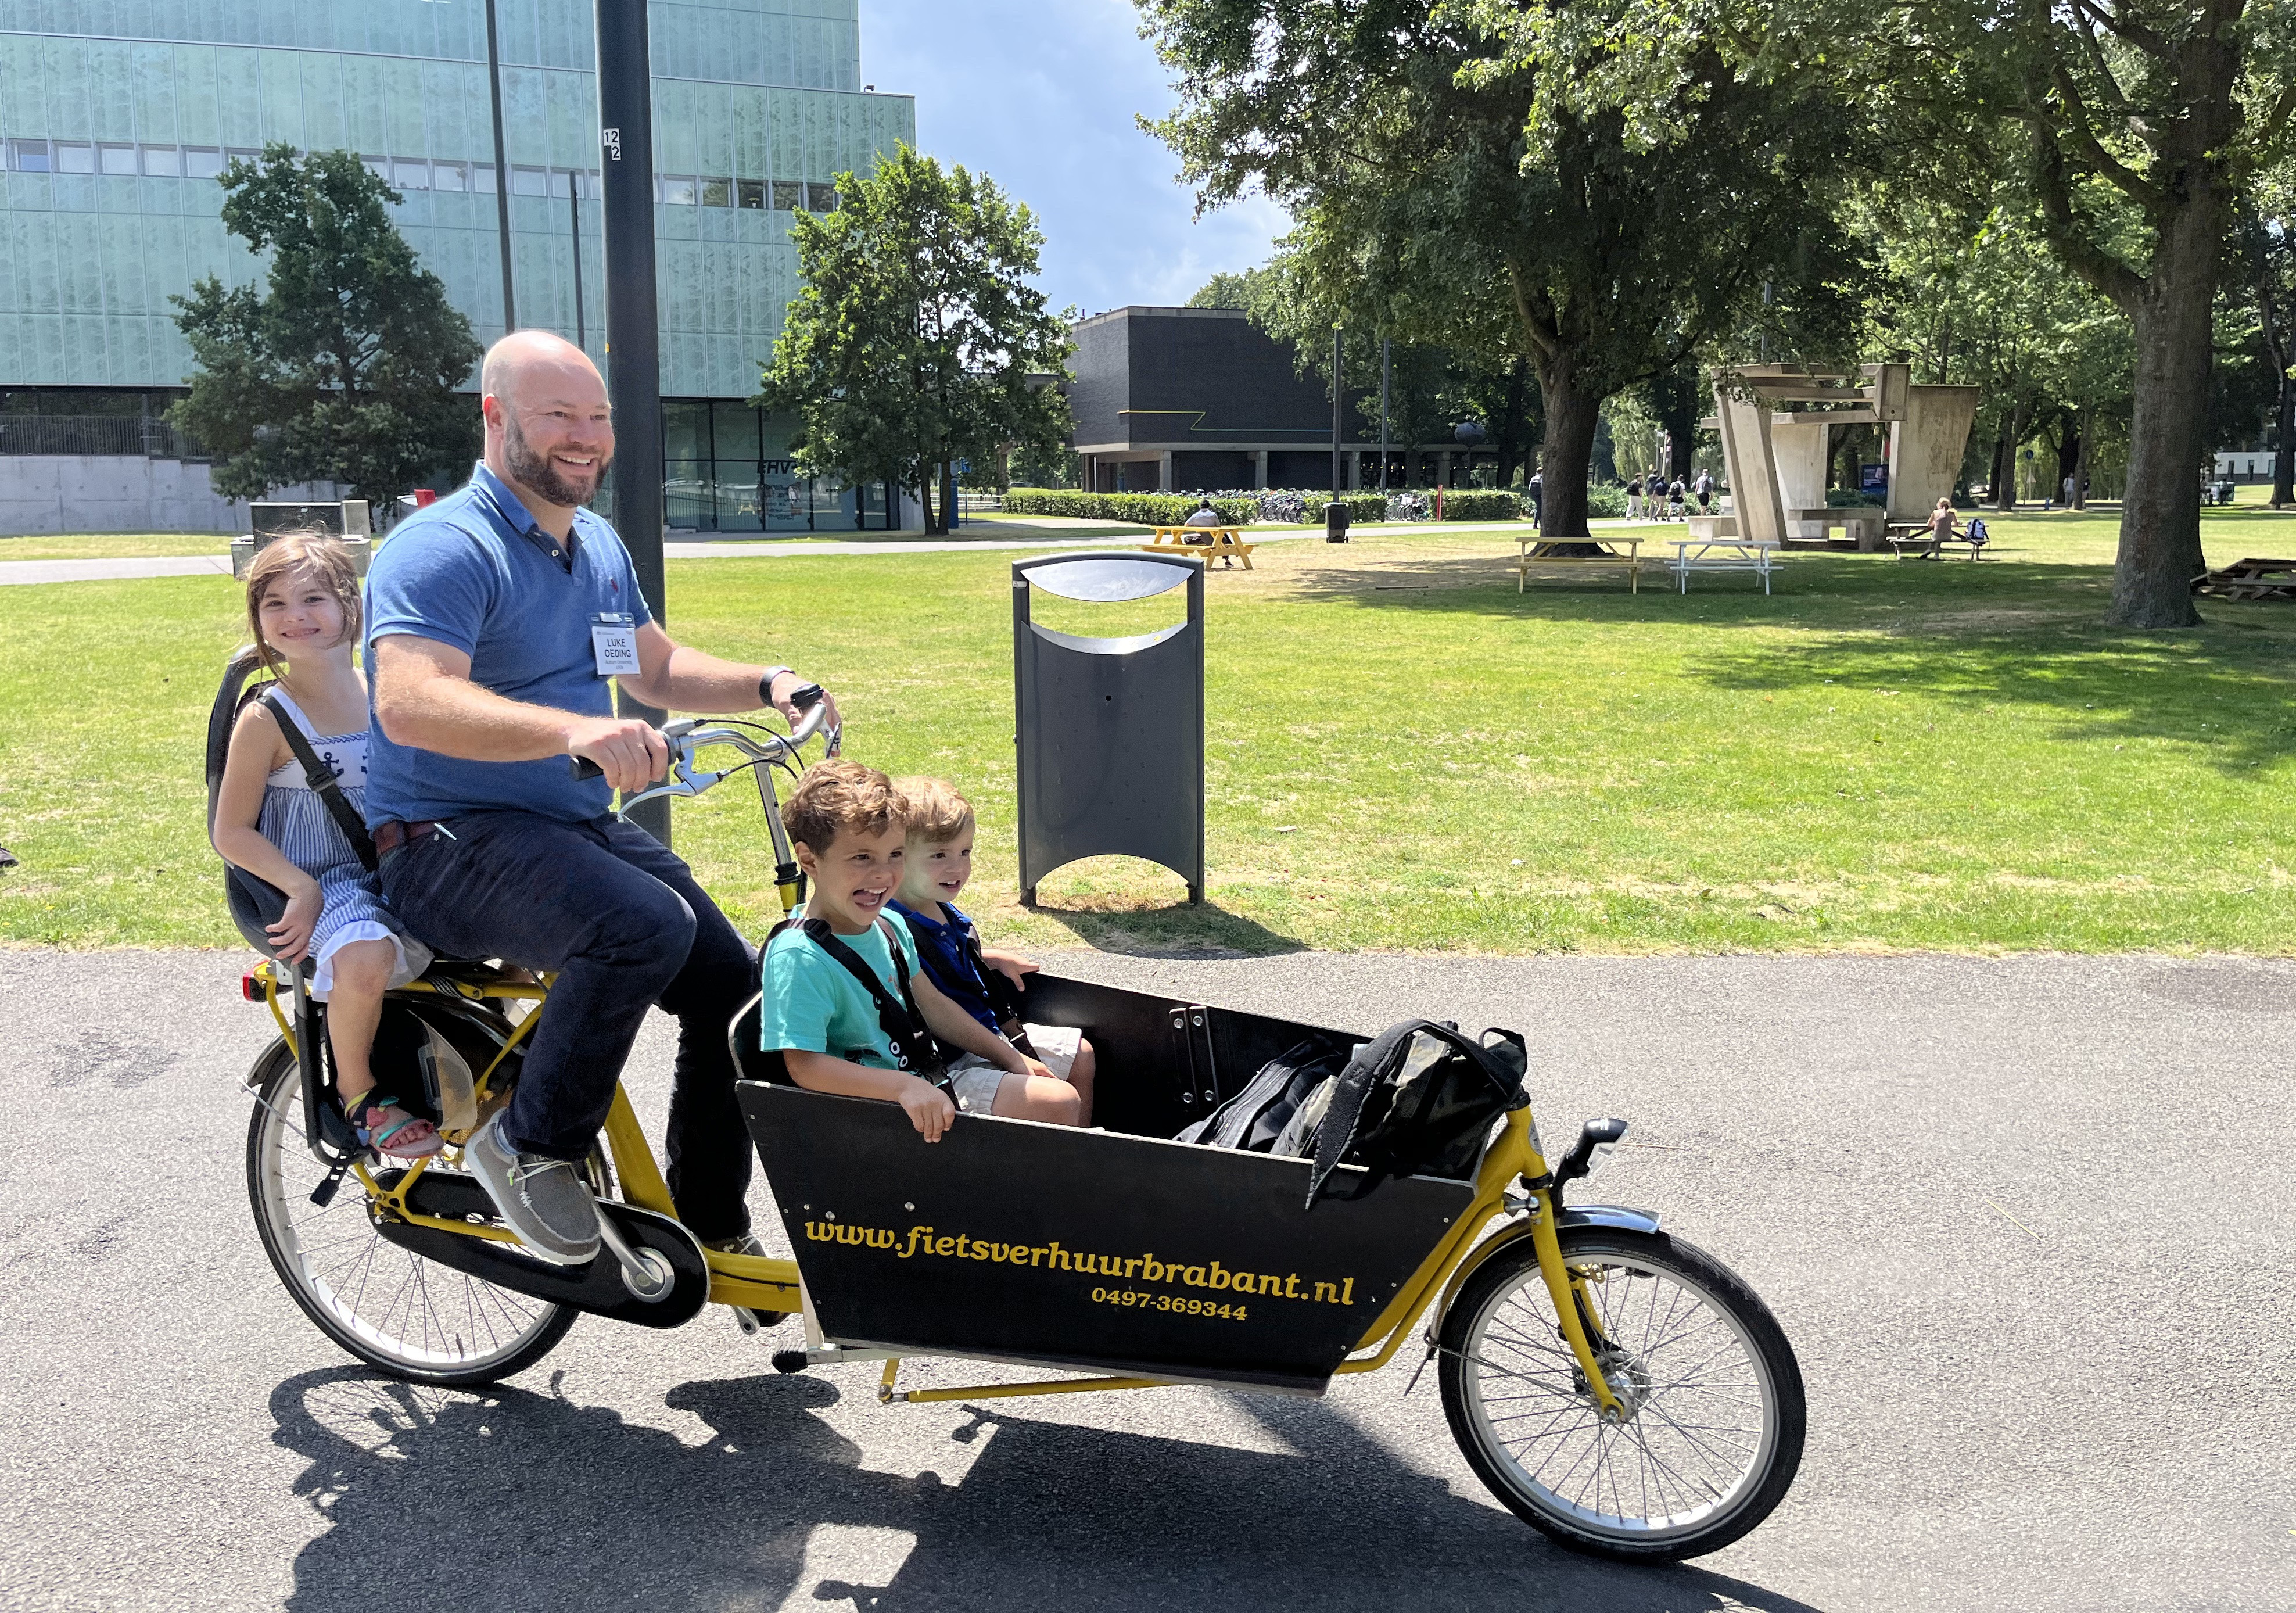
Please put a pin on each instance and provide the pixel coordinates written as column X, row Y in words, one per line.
column 254, row 902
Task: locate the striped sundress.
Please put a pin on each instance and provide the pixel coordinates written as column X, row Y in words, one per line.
column 297, row 821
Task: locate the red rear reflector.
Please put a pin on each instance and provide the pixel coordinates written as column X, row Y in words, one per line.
column 250, row 987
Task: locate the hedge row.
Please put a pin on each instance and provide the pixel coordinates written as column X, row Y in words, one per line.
column 1608, row 500
column 1240, row 508
column 1147, row 509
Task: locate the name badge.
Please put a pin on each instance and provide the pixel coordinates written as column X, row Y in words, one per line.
column 614, row 640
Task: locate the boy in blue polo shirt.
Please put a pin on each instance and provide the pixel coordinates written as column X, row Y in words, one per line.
column 986, row 984
column 847, row 1002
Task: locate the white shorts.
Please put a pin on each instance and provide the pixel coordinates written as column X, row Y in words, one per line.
column 974, row 1080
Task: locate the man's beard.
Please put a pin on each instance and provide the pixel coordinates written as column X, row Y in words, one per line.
column 535, row 471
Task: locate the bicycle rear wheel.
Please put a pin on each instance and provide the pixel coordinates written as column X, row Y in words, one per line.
column 1714, row 1421
column 408, row 1316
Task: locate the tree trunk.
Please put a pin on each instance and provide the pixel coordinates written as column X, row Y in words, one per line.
column 1512, row 418
column 2004, row 489
column 2071, row 445
column 1567, row 457
column 947, row 494
column 2161, row 509
column 2284, row 458
column 2080, row 462
column 1993, row 476
column 925, row 496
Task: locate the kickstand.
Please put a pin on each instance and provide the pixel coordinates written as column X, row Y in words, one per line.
column 323, row 1194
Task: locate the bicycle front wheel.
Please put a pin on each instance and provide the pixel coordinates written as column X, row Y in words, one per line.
column 394, row 1309
column 1712, row 1431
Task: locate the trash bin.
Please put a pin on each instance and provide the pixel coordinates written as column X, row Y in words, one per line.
column 1109, row 733
column 1335, row 523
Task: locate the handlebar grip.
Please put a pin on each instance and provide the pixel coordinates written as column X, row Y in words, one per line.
column 807, row 697
column 582, row 767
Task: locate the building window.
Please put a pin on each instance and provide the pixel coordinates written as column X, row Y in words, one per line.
column 482, row 178
column 410, row 175
column 380, row 167
column 75, row 156
column 752, row 192
column 788, row 195
column 450, row 177
column 717, row 192
column 529, row 182
column 116, row 159
column 163, row 163
column 823, row 198
column 29, row 156
column 202, row 162
column 678, row 192
column 240, row 153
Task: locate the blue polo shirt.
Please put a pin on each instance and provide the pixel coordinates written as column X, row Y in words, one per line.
column 476, row 570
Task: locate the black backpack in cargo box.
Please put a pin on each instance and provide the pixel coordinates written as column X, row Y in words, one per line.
column 1421, row 1099
column 1255, row 1118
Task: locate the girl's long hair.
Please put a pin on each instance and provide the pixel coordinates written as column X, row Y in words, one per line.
column 327, row 557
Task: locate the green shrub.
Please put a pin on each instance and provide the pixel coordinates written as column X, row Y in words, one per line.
column 1481, row 504
column 1850, row 498
column 1361, row 506
column 1147, row 509
column 1611, row 500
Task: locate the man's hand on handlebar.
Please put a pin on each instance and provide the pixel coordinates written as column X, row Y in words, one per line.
column 631, row 755
column 786, row 689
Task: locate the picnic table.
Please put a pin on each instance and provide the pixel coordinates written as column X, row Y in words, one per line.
column 1861, row 523
column 2255, row 578
column 1222, row 541
column 1722, row 552
column 1922, row 545
column 1531, row 549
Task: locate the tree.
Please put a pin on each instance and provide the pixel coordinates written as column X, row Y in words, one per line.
column 917, row 340
column 2269, row 239
column 1229, row 290
column 344, row 369
column 1438, row 177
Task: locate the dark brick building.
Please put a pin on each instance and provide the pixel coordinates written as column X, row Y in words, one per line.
column 1183, row 400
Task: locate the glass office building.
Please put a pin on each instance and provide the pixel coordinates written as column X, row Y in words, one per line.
column 116, row 116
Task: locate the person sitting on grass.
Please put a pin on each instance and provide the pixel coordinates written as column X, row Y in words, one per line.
column 936, row 865
column 847, row 1003
column 303, row 606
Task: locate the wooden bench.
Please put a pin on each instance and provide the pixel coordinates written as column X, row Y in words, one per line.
column 2251, row 579
column 1531, row 549
column 1916, row 541
column 1223, row 541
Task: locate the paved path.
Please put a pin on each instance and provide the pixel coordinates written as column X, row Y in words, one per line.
column 109, row 571
column 2028, row 1223
column 1076, row 535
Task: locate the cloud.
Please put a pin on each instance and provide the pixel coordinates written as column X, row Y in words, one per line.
column 1042, row 95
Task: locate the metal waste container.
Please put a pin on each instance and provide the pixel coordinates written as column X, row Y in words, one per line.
column 1109, row 732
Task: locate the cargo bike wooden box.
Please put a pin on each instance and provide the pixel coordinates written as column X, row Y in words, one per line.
column 1615, row 1388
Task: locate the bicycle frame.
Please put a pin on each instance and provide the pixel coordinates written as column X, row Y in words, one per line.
column 771, row 1284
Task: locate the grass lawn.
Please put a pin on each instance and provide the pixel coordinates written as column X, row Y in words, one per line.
column 1405, row 752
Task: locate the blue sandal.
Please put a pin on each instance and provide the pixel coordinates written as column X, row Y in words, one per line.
column 408, row 1137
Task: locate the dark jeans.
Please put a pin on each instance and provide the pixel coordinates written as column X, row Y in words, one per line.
column 619, row 920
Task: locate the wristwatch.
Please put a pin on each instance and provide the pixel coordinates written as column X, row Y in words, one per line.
column 765, row 683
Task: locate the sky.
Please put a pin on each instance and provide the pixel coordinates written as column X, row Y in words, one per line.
column 1041, row 96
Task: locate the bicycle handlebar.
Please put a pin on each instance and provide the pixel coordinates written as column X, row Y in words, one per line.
column 681, row 738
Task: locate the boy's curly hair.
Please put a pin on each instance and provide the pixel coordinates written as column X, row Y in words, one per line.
column 328, row 559
column 840, row 794
column 935, row 811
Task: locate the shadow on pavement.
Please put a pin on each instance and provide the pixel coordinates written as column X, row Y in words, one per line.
column 509, row 1499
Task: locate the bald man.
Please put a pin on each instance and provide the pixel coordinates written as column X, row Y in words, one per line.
column 498, row 620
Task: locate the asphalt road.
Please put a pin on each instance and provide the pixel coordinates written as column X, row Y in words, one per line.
column 2028, row 1223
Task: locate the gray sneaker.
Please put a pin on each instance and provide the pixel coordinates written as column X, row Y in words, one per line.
column 543, row 1200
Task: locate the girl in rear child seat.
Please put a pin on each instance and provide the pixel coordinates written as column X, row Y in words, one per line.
column 303, row 606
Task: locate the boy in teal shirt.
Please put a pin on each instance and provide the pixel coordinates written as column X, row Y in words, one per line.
column 846, row 1002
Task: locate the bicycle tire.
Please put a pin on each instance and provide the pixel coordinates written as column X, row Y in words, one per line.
column 1670, row 1481
column 361, row 1290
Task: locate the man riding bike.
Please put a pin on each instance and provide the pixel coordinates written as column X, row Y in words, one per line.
column 498, row 620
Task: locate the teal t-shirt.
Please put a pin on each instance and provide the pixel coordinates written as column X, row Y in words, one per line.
column 814, row 1005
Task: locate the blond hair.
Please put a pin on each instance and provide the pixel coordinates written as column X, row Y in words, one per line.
column 839, row 795
column 328, row 558
column 935, row 813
